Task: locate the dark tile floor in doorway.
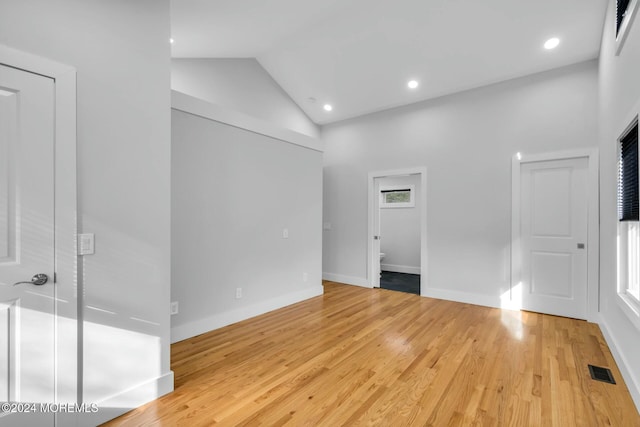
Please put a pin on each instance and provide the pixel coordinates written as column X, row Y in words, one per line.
column 402, row 282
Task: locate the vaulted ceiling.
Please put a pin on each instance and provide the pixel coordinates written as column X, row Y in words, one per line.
column 358, row 55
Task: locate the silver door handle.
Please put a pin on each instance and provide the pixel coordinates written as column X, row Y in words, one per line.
column 39, row 280
column 376, row 237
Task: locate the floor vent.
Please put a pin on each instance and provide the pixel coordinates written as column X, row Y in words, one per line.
column 601, row 374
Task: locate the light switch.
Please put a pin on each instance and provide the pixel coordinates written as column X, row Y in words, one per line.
column 326, row 226
column 285, row 233
column 86, row 244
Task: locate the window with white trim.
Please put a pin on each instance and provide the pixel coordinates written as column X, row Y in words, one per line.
column 397, row 196
column 628, row 220
column 625, row 13
column 631, row 236
column 622, row 7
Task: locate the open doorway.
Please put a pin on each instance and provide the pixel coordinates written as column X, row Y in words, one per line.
column 397, row 225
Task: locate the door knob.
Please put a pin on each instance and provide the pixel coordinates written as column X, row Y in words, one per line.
column 39, row 280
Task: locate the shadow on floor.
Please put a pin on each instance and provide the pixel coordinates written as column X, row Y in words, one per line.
column 402, row 282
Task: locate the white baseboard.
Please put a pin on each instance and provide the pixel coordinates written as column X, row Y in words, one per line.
column 457, row 296
column 197, row 327
column 465, row 297
column 623, row 364
column 347, row 280
column 121, row 403
column 400, row 268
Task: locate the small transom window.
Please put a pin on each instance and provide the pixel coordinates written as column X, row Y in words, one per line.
column 397, row 196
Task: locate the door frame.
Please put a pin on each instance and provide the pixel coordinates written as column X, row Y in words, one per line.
column 373, row 204
column 67, row 283
column 593, row 221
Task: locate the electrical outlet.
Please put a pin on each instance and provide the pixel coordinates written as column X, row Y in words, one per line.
column 238, row 293
column 285, row 233
column 86, row 244
column 305, row 277
column 174, row 307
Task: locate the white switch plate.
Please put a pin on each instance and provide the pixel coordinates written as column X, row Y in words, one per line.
column 285, row 233
column 174, row 307
column 86, row 244
column 305, row 277
column 238, row 293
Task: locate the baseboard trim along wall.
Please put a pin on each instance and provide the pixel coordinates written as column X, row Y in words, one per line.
column 191, row 329
column 347, row 280
column 621, row 361
column 400, row 268
column 464, row 297
column 121, row 403
column 457, row 296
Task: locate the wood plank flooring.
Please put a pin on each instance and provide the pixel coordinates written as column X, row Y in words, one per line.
column 357, row 356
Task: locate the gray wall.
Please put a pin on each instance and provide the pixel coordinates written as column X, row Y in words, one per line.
column 619, row 84
column 242, row 85
column 233, row 194
column 121, row 52
column 466, row 141
column 400, row 230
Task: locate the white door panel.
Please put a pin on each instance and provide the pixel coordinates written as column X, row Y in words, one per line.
column 376, row 237
column 26, row 243
column 551, row 214
column 553, row 221
column 551, row 274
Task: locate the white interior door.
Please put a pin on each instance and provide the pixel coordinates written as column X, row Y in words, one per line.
column 26, row 245
column 376, row 237
column 553, row 231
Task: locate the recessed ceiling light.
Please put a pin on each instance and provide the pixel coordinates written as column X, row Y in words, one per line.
column 412, row 84
column 171, row 40
column 552, row 43
column 327, row 107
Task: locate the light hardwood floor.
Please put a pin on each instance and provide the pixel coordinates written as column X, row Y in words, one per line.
column 359, row 356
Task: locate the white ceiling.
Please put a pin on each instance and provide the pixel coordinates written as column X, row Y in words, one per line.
column 359, row 54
